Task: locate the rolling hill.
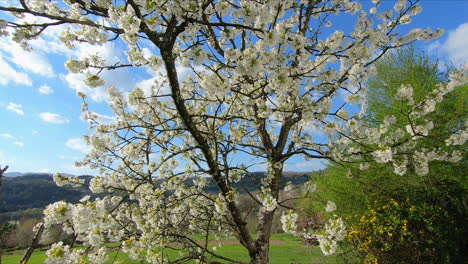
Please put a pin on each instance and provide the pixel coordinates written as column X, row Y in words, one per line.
column 26, row 194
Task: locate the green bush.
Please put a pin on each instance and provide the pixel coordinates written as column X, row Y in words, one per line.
column 401, row 232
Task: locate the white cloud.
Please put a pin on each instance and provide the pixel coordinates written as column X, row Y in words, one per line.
column 305, row 166
column 19, row 143
column 34, row 132
column 44, row 89
column 17, row 108
column 78, row 144
column 32, row 61
column 74, row 170
column 259, row 167
column 8, row 74
column 456, row 45
column 53, row 118
column 9, row 136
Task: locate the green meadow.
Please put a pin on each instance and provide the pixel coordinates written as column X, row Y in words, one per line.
column 285, row 249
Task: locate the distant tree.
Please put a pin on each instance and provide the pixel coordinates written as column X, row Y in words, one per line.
column 262, row 73
column 2, row 171
column 24, row 231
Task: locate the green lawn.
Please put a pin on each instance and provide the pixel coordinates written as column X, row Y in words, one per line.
column 292, row 251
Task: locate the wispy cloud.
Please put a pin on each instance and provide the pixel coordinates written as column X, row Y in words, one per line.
column 19, row 143
column 44, row 89
column 35, row 62
column 454, row 47
column 9, row 136
column 53, row 118
column 8, row 74
column 17, row 108
column 304, row 166
column 13, row 138
column 45, row 170
column 78, row 144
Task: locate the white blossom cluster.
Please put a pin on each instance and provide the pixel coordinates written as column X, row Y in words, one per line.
column 289, row 222
column 398, row 146
column 61, row 180
column 328, row 238
column 331, row 206
column 59, row 253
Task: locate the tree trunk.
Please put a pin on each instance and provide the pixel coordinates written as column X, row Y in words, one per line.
column 2, row 237
column 262, row 243
column 261, row 255
column 34, row 244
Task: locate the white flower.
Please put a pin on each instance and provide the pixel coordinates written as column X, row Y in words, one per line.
column 343, row 114
column 331, row 206
column 405, row 92
column 400, row 168
column 93, row 80
column 335, row 231
column 364, row 166
column 288, row 221
column 383, row 155
column 99, row 256
column 268, row 202
column 457, row 139
column 327, row 246
column 59, row 180
column 400, row 5
column 75, row 66
column 97, row 184
column 220, row 206
column 309, row 187
column 60, row 254
column 3, row 24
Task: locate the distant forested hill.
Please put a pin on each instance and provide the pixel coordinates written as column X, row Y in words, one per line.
column 23, row 195
column 35, row 191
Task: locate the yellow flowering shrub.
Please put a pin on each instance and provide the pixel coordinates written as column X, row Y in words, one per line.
column 397, row 232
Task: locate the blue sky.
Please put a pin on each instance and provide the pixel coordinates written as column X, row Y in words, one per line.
column 41, row 128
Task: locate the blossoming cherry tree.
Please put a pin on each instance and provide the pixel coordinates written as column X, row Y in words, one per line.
column 267, row 82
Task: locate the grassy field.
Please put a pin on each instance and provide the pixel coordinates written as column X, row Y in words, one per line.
column 292, row 251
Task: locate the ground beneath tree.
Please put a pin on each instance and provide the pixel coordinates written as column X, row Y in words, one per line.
column 228, row 242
